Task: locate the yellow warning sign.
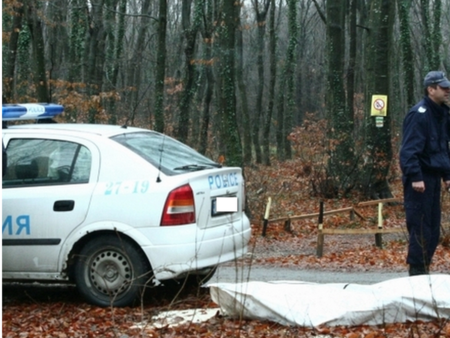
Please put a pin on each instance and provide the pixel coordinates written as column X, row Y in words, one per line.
column 379, row 105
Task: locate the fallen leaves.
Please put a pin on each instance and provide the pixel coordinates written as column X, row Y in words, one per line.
column 54, row 312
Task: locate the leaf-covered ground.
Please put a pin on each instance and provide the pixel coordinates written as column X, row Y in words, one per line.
column 55, row 311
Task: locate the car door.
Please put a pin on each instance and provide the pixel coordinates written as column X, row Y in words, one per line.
column 46, row 193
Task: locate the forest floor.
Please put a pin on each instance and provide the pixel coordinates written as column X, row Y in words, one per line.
column 59, row 312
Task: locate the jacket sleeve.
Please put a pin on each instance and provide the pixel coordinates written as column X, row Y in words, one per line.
column 413, row 144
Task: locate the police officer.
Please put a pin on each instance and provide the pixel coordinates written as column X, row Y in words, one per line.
column 425, row 161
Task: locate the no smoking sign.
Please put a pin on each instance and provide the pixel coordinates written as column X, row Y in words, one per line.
column 379, row 104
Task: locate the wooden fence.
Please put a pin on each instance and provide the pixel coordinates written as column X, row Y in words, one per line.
column 321, row 232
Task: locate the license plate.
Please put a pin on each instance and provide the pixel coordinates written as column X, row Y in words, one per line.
column 214, row 211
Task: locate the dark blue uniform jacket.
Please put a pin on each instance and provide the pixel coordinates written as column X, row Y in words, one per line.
column 426, row 141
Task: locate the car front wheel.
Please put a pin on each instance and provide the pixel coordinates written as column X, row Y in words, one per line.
column 111, row 271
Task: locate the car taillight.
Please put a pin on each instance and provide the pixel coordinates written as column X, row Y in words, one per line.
column 179, row 208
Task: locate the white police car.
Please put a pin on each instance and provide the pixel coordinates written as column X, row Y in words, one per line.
column 113, row 208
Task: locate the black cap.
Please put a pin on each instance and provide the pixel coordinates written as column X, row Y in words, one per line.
column 436, row 77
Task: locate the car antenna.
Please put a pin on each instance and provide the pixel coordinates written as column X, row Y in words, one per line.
column 158, row 179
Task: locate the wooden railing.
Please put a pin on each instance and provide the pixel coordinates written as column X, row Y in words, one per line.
column 321, row 232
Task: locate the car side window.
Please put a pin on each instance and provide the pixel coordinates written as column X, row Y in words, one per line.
column 46, row 162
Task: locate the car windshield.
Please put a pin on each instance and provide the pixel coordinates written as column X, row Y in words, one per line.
column 169, row 155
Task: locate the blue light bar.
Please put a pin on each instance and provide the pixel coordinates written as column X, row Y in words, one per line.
column 30, row 111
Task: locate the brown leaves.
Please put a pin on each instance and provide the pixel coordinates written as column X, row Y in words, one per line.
column 68, row 318
column 61, row 320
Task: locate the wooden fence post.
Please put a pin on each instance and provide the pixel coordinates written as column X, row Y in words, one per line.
column 266, row 216
column 378, row 236
column 319, row 232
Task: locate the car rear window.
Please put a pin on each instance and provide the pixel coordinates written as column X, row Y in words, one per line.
column 169, row 155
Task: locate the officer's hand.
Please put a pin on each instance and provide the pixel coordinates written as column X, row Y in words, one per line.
column 419, row 186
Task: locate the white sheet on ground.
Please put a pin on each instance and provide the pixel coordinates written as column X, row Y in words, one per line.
column 310, row 304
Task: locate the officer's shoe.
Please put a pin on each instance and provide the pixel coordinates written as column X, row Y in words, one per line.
column 420, row 269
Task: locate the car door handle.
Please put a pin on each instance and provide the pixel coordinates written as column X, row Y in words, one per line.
column 63, row 205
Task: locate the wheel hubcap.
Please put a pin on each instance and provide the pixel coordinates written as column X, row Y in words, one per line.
column 110, row 272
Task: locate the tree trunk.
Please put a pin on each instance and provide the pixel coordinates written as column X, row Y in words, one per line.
column 117, row 56
column 342, row 162
column 279, row 132
column 247, row 137
column 56, row 32
column 37, row 42
column 9, row 68
column 378, row 142
column 189, row 85
column 96, row 56
column 111, row 61
column 207, row 32
column 286, row 100
column 352, row 60
column 261, row 29
column 77, row 41
column 272, row 83
column 290, row 71
column 432, row 33
column 230, row 142
column 160, row 67
column 135, row 73
column 407, row 53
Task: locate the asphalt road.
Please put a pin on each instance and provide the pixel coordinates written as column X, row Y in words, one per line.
column 237, row 274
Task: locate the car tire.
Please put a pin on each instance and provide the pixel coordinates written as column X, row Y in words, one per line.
column 111, row 271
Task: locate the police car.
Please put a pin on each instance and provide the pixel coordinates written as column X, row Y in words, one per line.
column 113, row 208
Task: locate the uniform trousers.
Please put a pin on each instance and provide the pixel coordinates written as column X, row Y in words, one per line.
column 423, row 219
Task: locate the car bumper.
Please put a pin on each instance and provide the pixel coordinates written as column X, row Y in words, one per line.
column 192, row 249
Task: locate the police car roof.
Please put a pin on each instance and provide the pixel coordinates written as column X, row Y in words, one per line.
column 105, row 130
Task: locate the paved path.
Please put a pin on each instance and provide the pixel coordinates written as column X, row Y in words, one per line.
column 235, row 274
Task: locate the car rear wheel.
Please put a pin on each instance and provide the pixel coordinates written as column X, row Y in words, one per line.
column 111, row 271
